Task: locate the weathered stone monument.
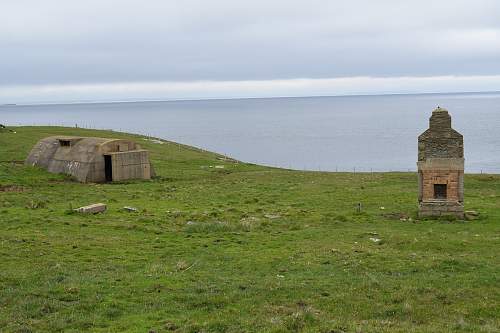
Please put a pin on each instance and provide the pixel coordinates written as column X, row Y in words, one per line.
column 441, row 168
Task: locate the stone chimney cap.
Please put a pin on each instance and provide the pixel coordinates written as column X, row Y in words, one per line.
column 440, row 109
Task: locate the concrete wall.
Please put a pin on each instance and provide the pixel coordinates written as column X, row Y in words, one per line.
column 42, row 153
column 131, row 165
column 118, row 145
column 83, row 158
column 95, row 172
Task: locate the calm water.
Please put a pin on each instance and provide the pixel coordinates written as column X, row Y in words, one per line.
column 376, row 133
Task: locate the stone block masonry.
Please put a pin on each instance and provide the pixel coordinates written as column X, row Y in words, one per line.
column 441, row 168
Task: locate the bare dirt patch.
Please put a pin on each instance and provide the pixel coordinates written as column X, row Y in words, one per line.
column 12, row 188
column 396, row 216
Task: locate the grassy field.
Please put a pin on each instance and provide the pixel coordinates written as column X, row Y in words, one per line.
column 222, row 246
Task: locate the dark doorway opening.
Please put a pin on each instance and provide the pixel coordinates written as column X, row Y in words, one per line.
column 108, row 168
column 440, row 191
column 65, row 143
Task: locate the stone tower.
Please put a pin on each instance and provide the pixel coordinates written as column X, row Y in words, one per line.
column 441, row 168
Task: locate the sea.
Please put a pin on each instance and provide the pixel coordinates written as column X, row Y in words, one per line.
column 345, row 133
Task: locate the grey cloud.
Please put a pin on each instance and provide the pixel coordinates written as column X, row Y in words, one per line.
column 92, row 41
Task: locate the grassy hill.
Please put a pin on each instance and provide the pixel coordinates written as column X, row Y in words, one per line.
column 222, row 246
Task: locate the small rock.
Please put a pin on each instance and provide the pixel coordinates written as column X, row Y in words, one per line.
column 92, row 209
column 130, row 209
column 471, row 215
column 272, row 216
column 191, row 223
column 170, row 326
column 154, row 141
column 375, row 240
column 249, row 219
column 182, row 265
column 219, row 167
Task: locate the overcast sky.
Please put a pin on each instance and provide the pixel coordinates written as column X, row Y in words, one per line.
column 55, row 50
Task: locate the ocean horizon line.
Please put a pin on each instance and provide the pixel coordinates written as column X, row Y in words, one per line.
column 74, row 102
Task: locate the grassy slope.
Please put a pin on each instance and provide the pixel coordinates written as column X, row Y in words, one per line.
column 309, row 266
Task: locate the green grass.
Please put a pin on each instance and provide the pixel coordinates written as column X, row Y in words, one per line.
column 242, row 248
